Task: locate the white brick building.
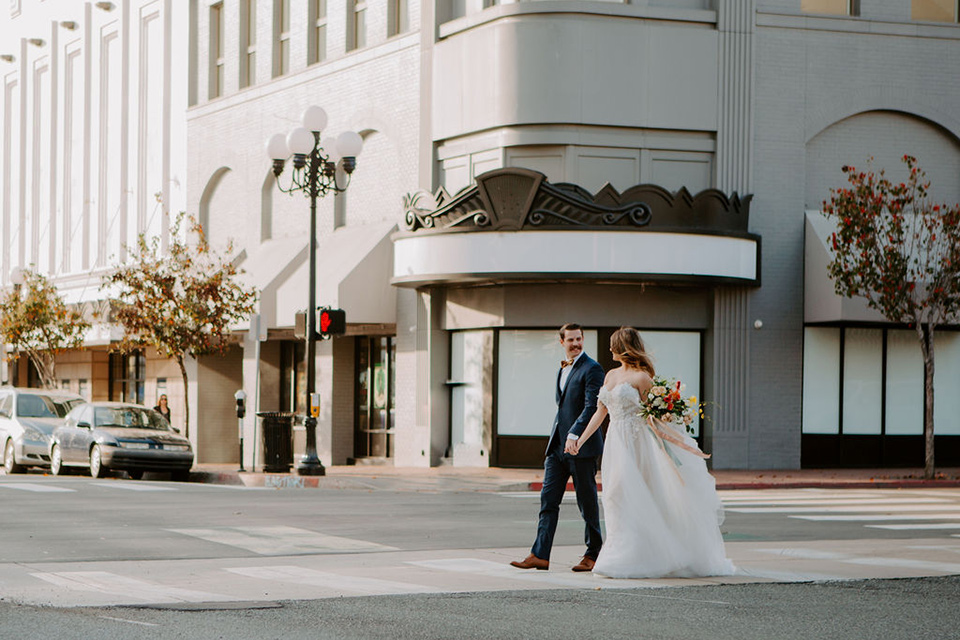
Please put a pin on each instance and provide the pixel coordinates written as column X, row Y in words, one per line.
column 448, row 353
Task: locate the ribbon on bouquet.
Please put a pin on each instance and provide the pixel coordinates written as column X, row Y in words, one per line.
column 664, row 435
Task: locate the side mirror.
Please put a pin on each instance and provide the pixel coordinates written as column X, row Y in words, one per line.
column 83, row 425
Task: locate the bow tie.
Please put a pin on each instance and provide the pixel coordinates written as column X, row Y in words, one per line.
column 566, row 363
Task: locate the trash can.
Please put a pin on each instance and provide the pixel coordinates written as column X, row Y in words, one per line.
column 276, row 438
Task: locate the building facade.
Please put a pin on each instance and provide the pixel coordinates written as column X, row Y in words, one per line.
column 707, row 131
column 93, row 153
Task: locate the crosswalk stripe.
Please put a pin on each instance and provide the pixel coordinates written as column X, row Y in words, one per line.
column 870, row 508
column 891, row 517
column 117, row 585
column 487, row 568
column 338, row 582
column 874, row 561
column 761, row 498
column 39, row 488
column 282, row 541
column 790, row 504
column 913, row 527
column 129, row 486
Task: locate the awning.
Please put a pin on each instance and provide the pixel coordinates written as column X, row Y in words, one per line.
column 573, row 255
column 353, row 273
column 820, row 300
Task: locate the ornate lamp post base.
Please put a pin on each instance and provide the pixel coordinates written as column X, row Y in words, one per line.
column 310, row 464
column 308, row 467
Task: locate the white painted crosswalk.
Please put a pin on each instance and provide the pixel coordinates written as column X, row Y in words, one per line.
column 282, row 540
column 933, row 512
column 38, row 488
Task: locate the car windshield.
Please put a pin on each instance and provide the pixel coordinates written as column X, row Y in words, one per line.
column 128, row 417
column 35, row 405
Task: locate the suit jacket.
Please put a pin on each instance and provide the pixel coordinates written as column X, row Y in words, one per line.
column 576, row 405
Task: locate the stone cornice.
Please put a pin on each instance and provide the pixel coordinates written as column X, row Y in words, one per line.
column 521, row 199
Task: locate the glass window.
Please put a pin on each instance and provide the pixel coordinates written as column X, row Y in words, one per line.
column 248, row 43
column 6, row 404
column 934, row 11
column 946, row 383
column 398, row 18
column 127, row 377
column 837, row 7
column 676, row 355
column 821, row 380
column 216, row 50
column 528, row 362
column 281, row 30
column 357, row 25
column 293, row 377
column 467, row 366
column 129, row 417
column 862, row 374
column 375, row 397
column 32, row 405
column 318, row 36
column 904, row 384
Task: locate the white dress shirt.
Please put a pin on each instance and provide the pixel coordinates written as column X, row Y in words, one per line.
column 564, row 375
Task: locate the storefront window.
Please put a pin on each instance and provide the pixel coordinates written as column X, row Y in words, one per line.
column 470, row 387
column 375, row 393
column 862, row 380
column 903, row 386
column 127, row 371
column 527, row 377
column 934, row 10
column 946, row 383
column 880, row 383
column 837, row 7
column 293, row 377
column 821, row 380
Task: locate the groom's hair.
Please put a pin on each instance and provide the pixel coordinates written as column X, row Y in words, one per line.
column 570, row 326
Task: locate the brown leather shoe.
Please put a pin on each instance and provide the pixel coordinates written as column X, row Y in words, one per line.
column 531, row 562
column 586, row 564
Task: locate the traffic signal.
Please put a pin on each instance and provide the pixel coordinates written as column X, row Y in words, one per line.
column 332, row 322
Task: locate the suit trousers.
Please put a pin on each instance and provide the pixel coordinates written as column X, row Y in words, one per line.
column 557, row 469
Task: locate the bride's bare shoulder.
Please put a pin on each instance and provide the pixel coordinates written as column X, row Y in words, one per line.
column 641, row 380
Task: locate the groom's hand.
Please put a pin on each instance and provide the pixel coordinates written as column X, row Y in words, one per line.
column 571, row 447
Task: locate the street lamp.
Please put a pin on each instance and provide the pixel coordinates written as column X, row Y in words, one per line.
column 315, row 163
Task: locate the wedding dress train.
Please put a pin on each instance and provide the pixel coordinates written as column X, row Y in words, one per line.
column 660, row 503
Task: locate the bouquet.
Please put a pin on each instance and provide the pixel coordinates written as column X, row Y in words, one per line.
column 665, row 402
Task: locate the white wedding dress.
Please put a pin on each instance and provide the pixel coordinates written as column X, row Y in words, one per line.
column 660, row 503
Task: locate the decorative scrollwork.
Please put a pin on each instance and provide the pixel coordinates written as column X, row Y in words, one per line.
column 511, row 199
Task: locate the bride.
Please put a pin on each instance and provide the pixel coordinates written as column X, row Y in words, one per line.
column 660, row 504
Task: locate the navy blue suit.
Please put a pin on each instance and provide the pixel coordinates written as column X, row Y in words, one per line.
column 576, row 404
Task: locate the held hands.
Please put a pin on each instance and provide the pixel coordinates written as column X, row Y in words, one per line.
column 572, row 447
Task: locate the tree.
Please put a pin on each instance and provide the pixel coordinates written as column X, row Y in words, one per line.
column 35, row 320
column 901, row 252
column 181, row 302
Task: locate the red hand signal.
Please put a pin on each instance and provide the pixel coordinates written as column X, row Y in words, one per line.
column 324, row 321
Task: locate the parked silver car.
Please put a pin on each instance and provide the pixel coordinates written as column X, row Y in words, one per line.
column 27, row 420
column 104, row 436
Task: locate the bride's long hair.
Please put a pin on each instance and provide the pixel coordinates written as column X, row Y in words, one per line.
column 627, row 344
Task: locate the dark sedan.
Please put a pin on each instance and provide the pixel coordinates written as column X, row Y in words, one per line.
column 105, row 436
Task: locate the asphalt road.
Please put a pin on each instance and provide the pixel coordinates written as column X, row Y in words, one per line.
column 114, row 558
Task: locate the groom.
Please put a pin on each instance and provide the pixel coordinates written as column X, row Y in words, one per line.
column 578, row 383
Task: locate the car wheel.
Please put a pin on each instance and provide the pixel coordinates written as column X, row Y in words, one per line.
column 180, row 476
column 97, row 470
column 135, row 474
column 56, row 461
column 9, row 459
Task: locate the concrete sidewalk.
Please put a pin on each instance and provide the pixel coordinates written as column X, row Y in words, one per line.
column 466, row 479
